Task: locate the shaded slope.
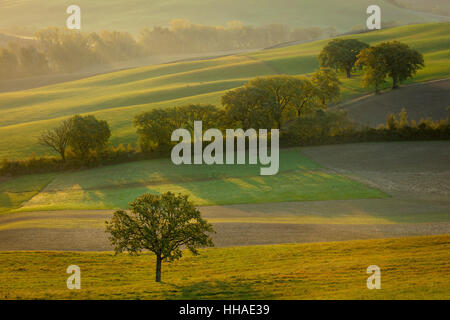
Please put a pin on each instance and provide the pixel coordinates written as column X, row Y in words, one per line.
column 424, row 100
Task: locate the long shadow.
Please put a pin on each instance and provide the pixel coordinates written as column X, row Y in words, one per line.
column 215, row 290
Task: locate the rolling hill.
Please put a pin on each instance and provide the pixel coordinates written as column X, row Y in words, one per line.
column 117, row 97
column 136, row 14
column 334, row 270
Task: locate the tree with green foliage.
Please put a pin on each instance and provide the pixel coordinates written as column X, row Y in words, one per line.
column 155, row 127
column 372, row 61
column 327, row 83
column 162, row 224
column 400, row 60
column 248, row 107
column 389, row 59
column 340, row 54
column 88, row 134
column 57, row 138
column 287, row 93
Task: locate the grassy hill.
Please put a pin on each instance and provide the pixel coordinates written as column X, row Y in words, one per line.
column 134, row 15
column 117, row 97
column 411, row 268
column 113, row 187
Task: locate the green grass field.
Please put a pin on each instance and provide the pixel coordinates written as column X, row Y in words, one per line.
column 411, row 268
column 114, row 186
column 134, row 15
column 15, row 191
column 117, row 97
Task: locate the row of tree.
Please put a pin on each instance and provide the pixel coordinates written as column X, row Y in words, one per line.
column 182, row 36
column 62, row 50
column 265, row 102
column 388, row 59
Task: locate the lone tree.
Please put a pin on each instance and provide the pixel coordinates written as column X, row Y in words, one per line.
column 159, row 223
column 57, row 138
column 340, row 54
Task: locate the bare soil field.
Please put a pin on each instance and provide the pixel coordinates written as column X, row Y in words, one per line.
column 415, row 174
column 421, row 100
column 415, row 170
column 228, row 235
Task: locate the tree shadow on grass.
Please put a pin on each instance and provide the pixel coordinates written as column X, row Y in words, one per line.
column 216, row 290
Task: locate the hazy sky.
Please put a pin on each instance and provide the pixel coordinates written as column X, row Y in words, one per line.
column 133, row 15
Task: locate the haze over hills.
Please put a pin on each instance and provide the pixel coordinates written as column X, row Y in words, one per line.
column 441, row 7
column 117, row 97
column 135, row 15
column 336, row 193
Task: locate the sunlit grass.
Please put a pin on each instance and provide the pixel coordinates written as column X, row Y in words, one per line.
column 15, row 191
column 411, row 268
column 111, row 187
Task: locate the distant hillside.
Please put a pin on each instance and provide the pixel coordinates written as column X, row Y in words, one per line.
column 439, row 7
column 133, row 15
column 117, row 97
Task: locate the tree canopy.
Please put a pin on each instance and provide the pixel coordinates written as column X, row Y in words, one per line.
column 286, row 93
column 327, row 84
column 248, row 107
column 88, row 134
column 341, row 54
column 400, row 60
column 155, row 127
column 389, row 59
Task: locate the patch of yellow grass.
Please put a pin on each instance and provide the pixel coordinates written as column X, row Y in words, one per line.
column 411, row 268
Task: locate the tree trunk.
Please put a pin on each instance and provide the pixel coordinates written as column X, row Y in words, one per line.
column 158, row 268
column 394, row 83
column 349, row 75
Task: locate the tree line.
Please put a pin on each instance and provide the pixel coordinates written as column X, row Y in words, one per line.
column 182, row 36
column 58, row 50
